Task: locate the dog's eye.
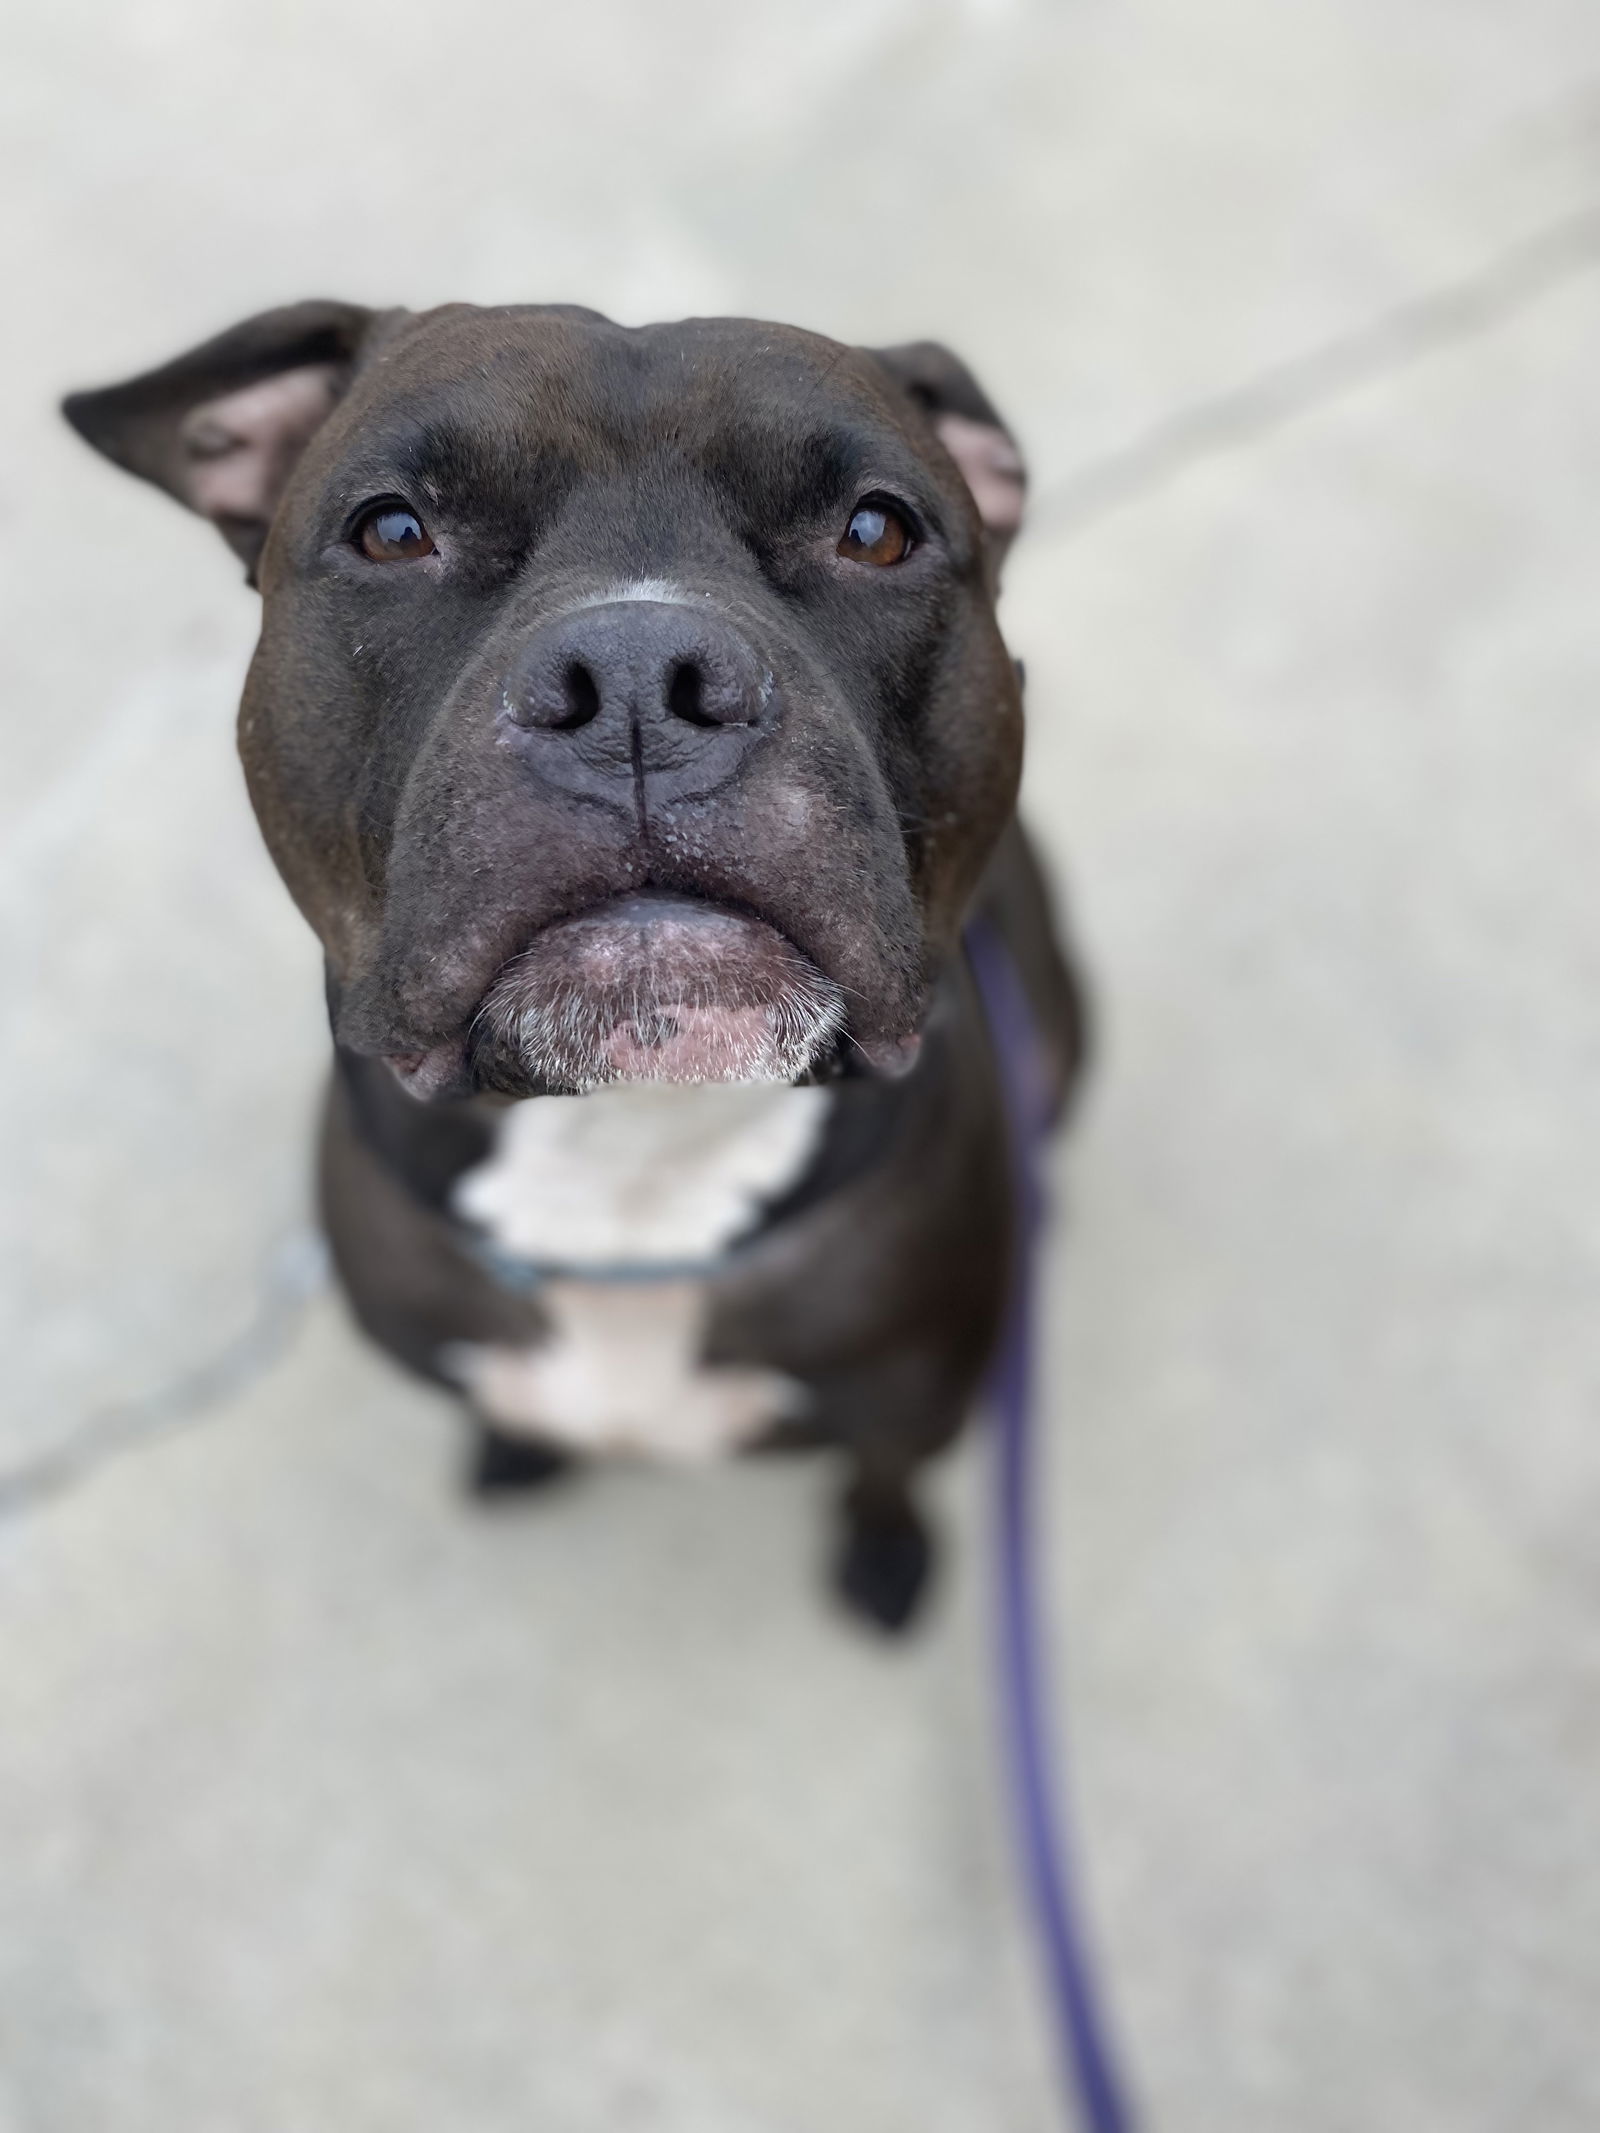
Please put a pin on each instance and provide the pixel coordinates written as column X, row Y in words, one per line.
column 876, row 534
column 392, row 533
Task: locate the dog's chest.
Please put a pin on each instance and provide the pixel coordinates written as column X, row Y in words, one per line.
column 624, row 1200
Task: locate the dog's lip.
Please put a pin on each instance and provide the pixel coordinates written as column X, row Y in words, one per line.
column 650, row 902
column 438, row 1071
column 890, row 1058
column 441, row 1069
column 643, row 907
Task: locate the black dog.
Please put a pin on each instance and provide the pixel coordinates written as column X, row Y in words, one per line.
column 631, row 722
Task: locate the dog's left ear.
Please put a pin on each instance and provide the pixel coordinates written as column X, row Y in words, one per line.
column 222, row 427
column 970, row 431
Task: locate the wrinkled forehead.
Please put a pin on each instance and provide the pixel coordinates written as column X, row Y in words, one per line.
column 475, row 396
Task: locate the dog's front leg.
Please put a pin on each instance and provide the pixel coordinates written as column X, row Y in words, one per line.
column 500, row 1463
column 885, row 1550
column 892, row 1419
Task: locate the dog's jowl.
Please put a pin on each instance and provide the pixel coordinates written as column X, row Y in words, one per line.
column 631, row 722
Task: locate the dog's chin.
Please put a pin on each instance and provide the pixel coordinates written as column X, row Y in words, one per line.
column 654, row 988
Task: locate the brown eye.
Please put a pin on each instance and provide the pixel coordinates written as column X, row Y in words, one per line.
column 393, row 534
column 875, row 534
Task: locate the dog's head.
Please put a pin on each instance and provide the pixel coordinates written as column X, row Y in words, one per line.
column 629, row 703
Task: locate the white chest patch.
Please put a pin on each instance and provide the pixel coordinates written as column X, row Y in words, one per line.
column 652, row 1174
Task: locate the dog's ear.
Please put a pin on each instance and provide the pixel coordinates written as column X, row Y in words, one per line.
column 970, row 431
column 221, row 427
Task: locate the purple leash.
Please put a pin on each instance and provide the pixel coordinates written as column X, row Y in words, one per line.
column 1088, row 2064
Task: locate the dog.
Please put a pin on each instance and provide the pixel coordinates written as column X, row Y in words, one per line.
column 631, row 722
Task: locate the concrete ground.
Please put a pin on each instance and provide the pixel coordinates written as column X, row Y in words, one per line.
column 327, row 1806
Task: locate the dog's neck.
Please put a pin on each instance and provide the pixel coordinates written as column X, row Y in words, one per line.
column 640, row 1174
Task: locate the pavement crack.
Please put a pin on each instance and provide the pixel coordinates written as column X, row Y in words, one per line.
column 1289, row 392
column 296, row 1271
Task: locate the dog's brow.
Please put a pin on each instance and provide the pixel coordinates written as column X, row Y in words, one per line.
column 471, row 458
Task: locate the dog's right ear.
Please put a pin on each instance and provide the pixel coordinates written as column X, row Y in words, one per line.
column 221, row 427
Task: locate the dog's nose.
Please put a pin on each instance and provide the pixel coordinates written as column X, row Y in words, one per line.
column 634, row 687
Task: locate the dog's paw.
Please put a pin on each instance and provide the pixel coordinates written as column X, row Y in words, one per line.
column 502, row 1465
column 884, row 1565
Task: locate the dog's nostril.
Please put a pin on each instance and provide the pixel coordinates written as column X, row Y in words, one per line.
column 686, row 695
column 582, row 694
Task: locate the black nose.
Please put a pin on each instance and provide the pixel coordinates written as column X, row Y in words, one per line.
column 643, row 659
column 639, row 687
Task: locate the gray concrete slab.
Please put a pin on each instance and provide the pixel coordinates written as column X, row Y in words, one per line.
column 324, row 1804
